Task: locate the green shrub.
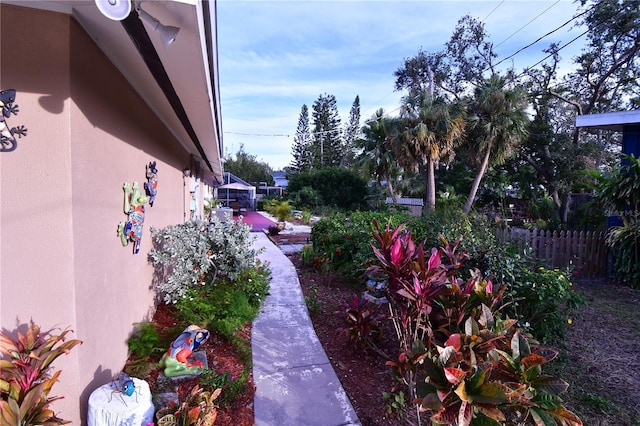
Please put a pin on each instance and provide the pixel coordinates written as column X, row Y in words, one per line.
column 197, row 253
column 624, row 242
column 335, row 186
column 306, row 197
column 145, row 340
column 283, row 211
column 543, row 299
column 226, row 305
column 620, row 196
column 344, row 242
column 264, row 202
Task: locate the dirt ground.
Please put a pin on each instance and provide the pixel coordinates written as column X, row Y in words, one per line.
column 602, row 361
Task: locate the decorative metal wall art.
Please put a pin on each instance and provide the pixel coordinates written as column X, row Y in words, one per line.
column 130, row 231
column 8, row 134
column 151, row 185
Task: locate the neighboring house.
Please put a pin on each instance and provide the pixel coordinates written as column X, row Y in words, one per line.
column 236, row 193
column 280, row 179
column 627, row 122
column 100, row 100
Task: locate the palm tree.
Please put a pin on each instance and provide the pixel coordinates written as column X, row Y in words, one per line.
column 498, row 123
column 377, row 157
column 433, row 129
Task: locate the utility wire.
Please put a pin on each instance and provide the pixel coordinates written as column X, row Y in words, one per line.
column 311, row 133
column 527, row 24
column 493, row 10
column 498, row 63
column 541, row 37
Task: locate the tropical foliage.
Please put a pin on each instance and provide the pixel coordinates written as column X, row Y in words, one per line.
column 620, row 196
column 26, row 378
column 505, row 154
column 461, row 361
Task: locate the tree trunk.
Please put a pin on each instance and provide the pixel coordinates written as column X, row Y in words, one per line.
column 431, row 186
column 392, row 193
column 476, row 181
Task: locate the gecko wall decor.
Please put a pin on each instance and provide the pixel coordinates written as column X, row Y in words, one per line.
column 8, row 134
column 151, row 185
column 130, row 231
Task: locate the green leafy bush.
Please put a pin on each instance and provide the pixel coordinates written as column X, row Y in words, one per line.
column 542, row 301
column 344, row 242
column 228, row 304
column 306, row 197
column 624, row 242
column 335, row 186
column 197, row 253
column 145, row 340
column 283, row 211
column 620, row 196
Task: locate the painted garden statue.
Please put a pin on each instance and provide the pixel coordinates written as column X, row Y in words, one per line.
column 179, row 359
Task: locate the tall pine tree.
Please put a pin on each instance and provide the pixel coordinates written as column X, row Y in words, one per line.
column 351, row 134
column 327, row 141
column 302, row 149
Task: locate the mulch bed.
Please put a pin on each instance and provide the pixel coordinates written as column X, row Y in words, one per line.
column 363, row 373
column 289, row 238
column 222, row 358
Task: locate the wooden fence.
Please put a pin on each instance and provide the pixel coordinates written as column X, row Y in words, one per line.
column 585, row 250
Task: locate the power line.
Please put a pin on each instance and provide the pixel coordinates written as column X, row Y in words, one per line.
column 493, row 10
column 541, row 37
column 604, row 21
column 311, row 133
column 525, row 25
column 551, row 54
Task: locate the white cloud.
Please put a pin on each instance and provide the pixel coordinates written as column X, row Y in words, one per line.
column 275, row 56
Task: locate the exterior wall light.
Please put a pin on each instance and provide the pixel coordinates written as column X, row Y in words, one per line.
column 167, row 33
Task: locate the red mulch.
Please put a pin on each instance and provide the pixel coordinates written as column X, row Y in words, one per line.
column 222, row 358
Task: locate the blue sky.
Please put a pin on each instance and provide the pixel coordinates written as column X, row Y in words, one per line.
column 275, row 56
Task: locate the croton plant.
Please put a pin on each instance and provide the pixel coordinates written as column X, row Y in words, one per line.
column 462, row 362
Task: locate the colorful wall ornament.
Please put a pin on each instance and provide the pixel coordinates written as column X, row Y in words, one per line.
column 130, row 231
column 8, row 134
column 151, row 185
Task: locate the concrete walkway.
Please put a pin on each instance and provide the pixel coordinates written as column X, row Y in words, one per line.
column 295, row 383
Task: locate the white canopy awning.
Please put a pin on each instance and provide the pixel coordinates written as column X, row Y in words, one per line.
column 238, row 186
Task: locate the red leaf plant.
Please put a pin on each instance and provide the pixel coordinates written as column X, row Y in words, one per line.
column 461, row 361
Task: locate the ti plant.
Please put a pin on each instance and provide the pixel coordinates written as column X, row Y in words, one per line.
column 462, row 363
column 362, row 322
column 25, row 378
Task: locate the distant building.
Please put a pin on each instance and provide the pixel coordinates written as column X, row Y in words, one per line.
column 280, row 179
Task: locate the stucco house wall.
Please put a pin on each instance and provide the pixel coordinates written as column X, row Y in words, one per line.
column 61, row 197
